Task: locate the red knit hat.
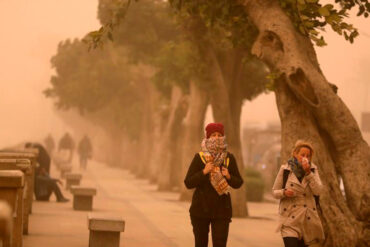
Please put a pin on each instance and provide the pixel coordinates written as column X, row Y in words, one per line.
column 214, row 127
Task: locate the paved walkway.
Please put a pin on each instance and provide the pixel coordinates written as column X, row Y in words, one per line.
column 153, row 219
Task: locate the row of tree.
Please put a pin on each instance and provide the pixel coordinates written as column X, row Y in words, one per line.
column 150, row 89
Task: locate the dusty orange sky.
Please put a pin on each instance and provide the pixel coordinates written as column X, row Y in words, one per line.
column 31, row 30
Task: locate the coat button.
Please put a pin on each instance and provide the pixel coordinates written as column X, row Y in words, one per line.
column 305, row 205
column 293, row 217
column 291, row 185
column 304, row 194
column 284, row 209
column 308, row 218
column 294, row 205
column 314, row 209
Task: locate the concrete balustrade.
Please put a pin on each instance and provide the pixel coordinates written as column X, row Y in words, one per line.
column 11, row 191
column 6, row 224
column 24, row 166
column 29, row 154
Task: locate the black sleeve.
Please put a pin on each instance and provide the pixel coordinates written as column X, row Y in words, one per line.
column 195, row 176
column 235, row 180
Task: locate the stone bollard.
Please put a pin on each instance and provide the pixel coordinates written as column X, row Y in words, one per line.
column 16, row 154
column 72, row 179
column 64, row 169
column 6, row 224
column 24, row 166
column 11, row 191
column 104, row 230
column 83, row 197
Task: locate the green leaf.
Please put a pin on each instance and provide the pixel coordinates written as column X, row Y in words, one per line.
column 314, row 32
column 346, row 35
column 351, row 39
column 367, row 6
column 329, row 6
column 361, row 10
column 94, row 33
column 324, row 11
column 321, row 42
column 309, row 24
column 333, row 18
column 302, row 29
column 304, row 17
column 301, row 7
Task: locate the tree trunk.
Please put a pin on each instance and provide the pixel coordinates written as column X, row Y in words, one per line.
column 156, row 147
column 166, row 148
column 283, row 49
column 176, row 142
column 149, row 100
column 193, row 132
column 221, row 107
column 298, row 123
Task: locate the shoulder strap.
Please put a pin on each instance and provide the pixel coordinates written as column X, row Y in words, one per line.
column 317, row 198
column 285, row 177
column 226, row 161
column 201, row 154
column 286, row 174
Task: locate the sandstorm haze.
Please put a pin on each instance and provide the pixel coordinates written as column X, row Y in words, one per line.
column 31, row 30
column 132, row 116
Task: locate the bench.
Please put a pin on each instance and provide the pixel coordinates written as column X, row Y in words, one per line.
column 6, row 224
column 104, row 230
column 83, row 197
column 72, row 179
column 11, row 191
column 9, row 154
column 24, row 166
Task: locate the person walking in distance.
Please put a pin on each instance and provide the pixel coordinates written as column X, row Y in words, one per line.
column 84, row 151
column 66, row 143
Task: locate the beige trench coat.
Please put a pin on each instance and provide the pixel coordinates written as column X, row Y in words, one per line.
column 298, row 215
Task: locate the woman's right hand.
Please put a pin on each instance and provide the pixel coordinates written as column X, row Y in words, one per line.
column 288, row 193
column 208, row 168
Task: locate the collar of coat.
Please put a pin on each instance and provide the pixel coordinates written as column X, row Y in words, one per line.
column 293, row 179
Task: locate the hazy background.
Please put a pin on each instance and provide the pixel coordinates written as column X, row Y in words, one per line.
column 31, row 30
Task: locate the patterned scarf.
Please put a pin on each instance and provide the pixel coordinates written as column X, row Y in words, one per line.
column 214, row 149
column 296, row 168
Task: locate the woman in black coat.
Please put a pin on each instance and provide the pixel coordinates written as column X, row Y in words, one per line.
column 211, row 173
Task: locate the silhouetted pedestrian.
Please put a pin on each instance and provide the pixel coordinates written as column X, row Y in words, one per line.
column 85, row 151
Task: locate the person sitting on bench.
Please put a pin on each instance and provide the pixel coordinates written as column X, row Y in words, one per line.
column 44, row 184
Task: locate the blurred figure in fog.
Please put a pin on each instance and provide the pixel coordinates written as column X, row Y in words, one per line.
column 44, row 184
column 66, row 143
column 84, row 151
column 298, row 187
column 43, row 159
column 49, row 144
column 211, row 173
